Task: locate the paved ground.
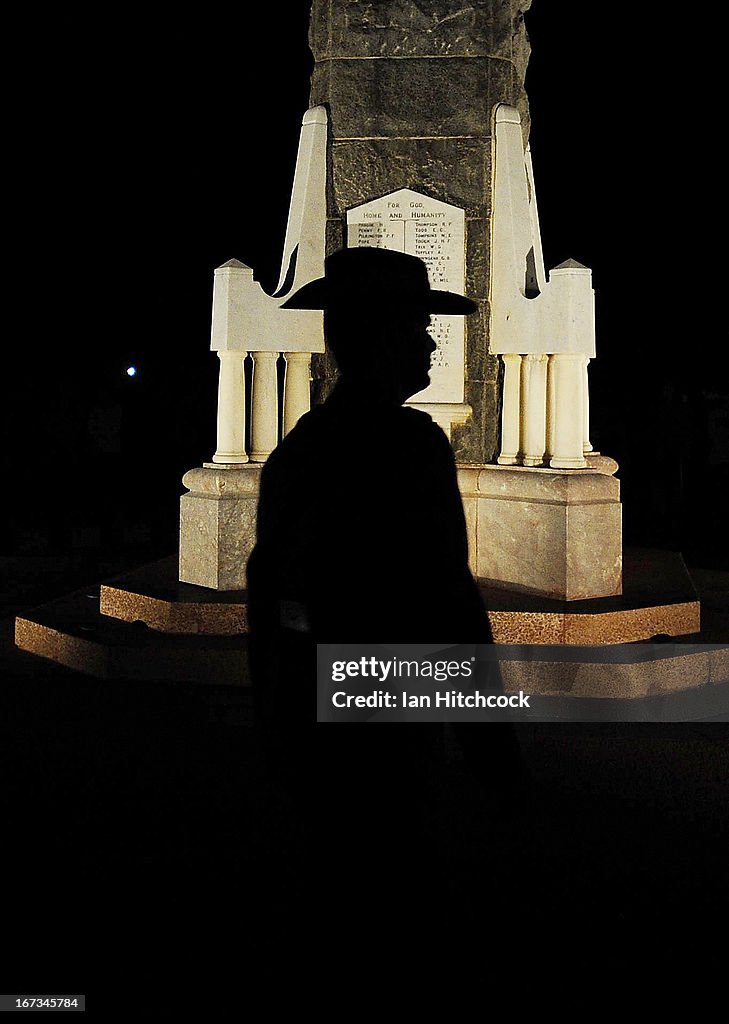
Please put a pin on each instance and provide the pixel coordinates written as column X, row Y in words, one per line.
column 150, row 843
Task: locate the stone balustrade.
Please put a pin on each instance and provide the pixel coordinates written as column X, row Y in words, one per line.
column 545, row 411
column 255, row 340
column 250, row 331
column 542, row 326
column 235, row 289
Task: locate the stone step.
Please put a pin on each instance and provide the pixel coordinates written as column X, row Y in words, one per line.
column 658, row 599
column 145, row 625
column 154, row 595
column 73, row 632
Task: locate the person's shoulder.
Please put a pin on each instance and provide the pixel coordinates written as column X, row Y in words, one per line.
column 296, row 447
column 416, row 419
column 306, row 428
column 421, row 426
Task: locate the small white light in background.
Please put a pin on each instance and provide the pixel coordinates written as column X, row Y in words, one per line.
column 131, row 371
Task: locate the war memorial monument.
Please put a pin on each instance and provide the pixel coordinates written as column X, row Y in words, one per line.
column 416, row 139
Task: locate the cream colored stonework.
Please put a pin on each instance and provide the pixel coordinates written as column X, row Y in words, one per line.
column 556, row 533
column 218, row 525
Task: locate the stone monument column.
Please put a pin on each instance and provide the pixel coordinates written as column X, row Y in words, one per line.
column 411, row 89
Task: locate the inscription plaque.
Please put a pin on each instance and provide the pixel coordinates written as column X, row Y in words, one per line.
column 435, row 232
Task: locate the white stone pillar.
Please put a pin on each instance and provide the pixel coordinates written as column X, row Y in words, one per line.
column 231, row 448
column 264, row 405
column 533, row 408
column 297, row 392
column 586, row 445
column 510, row 410
column 566, row 413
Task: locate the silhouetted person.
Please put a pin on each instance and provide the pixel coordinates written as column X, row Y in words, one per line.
column 361, row 530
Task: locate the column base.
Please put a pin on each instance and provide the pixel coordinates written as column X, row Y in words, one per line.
column 229, row 460
column 566, row 463
column 544, row 531
column 218, row 525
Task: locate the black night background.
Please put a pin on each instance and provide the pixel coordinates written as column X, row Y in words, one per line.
column 164, row 153
column 140, row 161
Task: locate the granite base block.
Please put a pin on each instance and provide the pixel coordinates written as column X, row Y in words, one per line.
column 628, row 680
column 658, row 599
column 71, row 631
column 218, row 525
column 556, row 533
column 112, row 640
column 154, row 595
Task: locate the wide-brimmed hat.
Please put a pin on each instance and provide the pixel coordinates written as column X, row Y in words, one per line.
column 377, row 277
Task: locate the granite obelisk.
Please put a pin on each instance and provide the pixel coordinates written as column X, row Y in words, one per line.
column 411, row 88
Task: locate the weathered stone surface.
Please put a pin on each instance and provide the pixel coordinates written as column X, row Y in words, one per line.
column 174, row 616
column 421, row 97
column 567, row 551
column 153, row 594
column 319, row 93
column 564, row 486
column 658, row 598
column 477, row 259
column 634, row 624
column 594, row 550
column 541, row 678
column 218, row 526
column 71, row 631
column 477, row 437
column 411, row 87
column 623, row 681
column 490, row 424
column 456, row 171
column 466, row 437
column 476, row 343
column 641, row 679
column 554, row 533
column 602, row 464
column 520, row 48
column 470, row 510
column 335, row 234
column 324, row 374
column 719, row 664
column 403, row 28
column 224, row 481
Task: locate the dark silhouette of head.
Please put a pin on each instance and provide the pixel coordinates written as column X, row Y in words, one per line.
column 378, row 305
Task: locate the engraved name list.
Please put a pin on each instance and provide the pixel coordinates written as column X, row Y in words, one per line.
column 434, row 232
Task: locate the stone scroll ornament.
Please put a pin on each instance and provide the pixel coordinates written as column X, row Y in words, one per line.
column 435, row 232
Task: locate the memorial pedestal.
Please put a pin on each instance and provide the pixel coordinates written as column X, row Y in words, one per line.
column 199, row 635
column 218, row 525
column 658, row 599
column 555, row 533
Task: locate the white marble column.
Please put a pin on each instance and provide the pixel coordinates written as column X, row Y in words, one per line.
column 586, row 444
column 264, row 405
column 231, row 448
column 566, row 414
column 510, row 410
column 297, row 391
column 533, row 408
